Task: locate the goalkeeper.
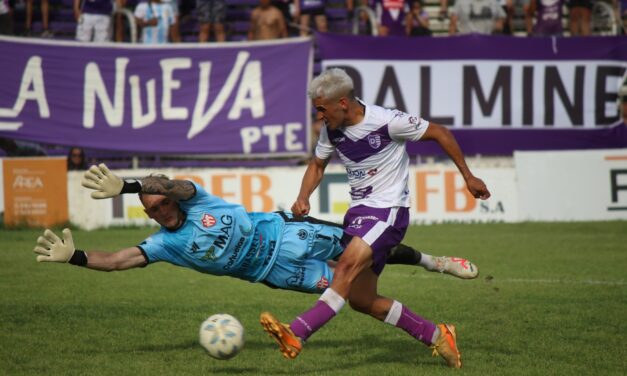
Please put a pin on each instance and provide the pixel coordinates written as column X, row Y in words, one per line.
column 205, row 233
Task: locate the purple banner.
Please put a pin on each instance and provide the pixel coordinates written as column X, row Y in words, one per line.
column 232, row 99
column 497, row 94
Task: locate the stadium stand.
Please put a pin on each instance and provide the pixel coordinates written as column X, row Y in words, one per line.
column 62, row 22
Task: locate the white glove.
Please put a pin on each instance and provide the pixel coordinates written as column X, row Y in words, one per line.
column 104, row 182
column 52, row 249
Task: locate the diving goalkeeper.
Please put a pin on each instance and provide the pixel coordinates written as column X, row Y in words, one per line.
column 205, row 233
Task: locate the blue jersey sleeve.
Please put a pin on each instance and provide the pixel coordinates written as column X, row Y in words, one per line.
column 154, row 247
column 201, row 197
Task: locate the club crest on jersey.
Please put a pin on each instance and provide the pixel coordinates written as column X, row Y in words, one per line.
column 322, row 284
column 374, row 140
column 208, row 220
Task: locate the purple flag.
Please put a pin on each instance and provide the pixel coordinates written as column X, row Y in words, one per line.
column 233, row 99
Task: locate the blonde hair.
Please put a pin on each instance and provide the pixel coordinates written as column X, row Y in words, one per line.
column 332, row 83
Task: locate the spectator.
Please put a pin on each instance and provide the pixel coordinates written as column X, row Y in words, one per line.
column 304, row 10
column 211, row 15
column 119, row 21
column 94, row 20
column 548, row 16
column 284, row 7
column 391, row 16
column 175, row 33
column 580, row 17
column 365, row 16
column 417, row 20
column 14, row 148
column 155, row 18
column 623, row 97
column 476, row 16
column 620, row 7
column 76, row 160
column 267, row 22
column 6, row 18
column 508, row 8
column 44, row 19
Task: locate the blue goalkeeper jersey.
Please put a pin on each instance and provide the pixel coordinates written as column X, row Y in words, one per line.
column 219, row 238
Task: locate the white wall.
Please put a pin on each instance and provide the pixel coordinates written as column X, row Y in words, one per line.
column 572, row 185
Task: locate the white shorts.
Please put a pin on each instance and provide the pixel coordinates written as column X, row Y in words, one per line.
column 96, row 25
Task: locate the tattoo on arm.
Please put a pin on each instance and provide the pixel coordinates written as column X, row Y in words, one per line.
column 174, row 189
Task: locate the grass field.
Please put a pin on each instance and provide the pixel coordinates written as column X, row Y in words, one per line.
column 551, row 300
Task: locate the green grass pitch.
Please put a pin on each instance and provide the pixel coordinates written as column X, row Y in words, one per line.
column 551, row 299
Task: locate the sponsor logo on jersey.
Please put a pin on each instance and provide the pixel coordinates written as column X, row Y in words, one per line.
column 360, row 193
column 355, row 174
column 413, row 120
column 373, row 171
column 208, row 220
column 297, row 279
column 337, row 140
column 358, row 221
column 302, row 234
column 374, row 140
column 210, row 255
column 246, row 230
column 233, row 257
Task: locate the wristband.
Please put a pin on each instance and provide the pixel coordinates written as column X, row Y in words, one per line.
column 131, row 186
column 79, row 258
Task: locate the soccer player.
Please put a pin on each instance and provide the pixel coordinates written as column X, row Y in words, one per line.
column 205, row 233
column 370, row 141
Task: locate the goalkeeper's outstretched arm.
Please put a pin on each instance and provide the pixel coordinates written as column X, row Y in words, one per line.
column 51, row 248
column 106, row 184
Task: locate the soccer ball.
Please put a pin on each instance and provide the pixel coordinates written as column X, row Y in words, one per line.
column 222, row 336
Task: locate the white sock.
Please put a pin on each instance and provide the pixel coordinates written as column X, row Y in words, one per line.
column 333, row 299
column 394, row 314
column 427, row 261
column 436, row 335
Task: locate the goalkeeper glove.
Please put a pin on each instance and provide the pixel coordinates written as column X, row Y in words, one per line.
column 51, row 248
column 106, row 184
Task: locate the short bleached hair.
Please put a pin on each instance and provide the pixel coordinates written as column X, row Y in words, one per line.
column 331, row 84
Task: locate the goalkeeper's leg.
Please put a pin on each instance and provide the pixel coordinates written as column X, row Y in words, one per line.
column 456, row 266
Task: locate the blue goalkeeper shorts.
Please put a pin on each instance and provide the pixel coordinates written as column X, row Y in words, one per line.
column 307, row 245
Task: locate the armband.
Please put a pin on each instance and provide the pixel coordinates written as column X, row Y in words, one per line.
column 131, row 186
column 79, row 258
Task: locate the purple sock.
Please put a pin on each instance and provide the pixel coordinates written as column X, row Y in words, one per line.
column 310, row 321
column 416, row 326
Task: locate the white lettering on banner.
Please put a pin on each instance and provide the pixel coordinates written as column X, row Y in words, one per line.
column 167, row 67
column 250, row 93
column 494, row 94
column 249, row 96
column 200, row 120
column 140, row 119
column 27, row 182
column 95, row 88
column 252, row 135
column 32, row 77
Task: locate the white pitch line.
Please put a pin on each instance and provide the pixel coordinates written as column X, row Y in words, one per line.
column 619, row 282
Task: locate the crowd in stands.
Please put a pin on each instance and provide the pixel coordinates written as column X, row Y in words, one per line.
column 167, row 21
column 172, row 21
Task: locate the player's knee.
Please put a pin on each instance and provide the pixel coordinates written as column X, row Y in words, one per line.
column 362, row 306
column 346, row 271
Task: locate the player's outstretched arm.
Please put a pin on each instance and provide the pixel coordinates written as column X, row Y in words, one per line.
column 106, row 184
column 447, row 141
column 311, row 180
column 51, row 248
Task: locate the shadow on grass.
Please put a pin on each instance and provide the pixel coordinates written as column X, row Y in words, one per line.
column 348, row 354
